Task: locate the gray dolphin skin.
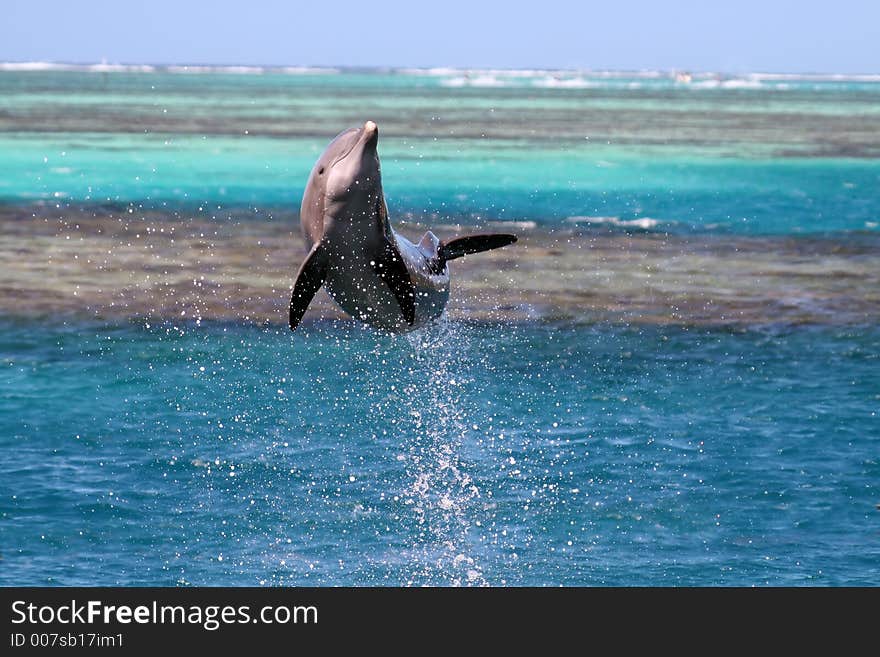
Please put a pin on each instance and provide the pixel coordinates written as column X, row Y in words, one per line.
column 374, row 274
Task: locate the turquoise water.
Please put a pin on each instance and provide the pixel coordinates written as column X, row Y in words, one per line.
column 459, row 182
column 152, row 450
column 750, row 155
column 528, row 455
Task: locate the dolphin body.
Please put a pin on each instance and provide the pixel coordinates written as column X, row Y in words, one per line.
column 373, row 273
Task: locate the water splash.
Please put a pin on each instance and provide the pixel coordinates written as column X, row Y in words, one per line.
column 439, row 494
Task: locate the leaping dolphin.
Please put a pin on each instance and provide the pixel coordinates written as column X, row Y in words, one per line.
column 373, row 273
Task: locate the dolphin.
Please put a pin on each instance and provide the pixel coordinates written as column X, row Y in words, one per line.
column 373, row 273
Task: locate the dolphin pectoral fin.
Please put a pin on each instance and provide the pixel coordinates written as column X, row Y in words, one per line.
column 461, row 246
column 392, row 269
column 309, row 280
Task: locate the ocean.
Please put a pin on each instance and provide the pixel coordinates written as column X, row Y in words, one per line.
column 673, row 378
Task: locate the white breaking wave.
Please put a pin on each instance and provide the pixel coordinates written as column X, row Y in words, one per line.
column 174, row 68
column 36, row 66
column 644, row 223
column 242, row 70
column 309, row 70
column 439, row 71
column 479, row 81
column 119, row 68
column 87, row 68
column 481, row 77
column 565, row 83
column 513, row 225
column 816, row 77
column 586, row 79
column 448, row 71
column 736, row 83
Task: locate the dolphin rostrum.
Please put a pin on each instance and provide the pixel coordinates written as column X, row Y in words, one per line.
column 373, row 273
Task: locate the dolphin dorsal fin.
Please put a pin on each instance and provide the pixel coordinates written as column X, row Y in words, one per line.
column 429, row 245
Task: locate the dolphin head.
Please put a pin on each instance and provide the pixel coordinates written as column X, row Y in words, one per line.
column 352, row 170
column 346, row 181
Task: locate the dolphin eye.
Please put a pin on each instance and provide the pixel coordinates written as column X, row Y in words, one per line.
column 321, row 171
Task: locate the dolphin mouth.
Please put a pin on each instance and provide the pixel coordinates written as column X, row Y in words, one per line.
column 371, row 132
column 368, row 138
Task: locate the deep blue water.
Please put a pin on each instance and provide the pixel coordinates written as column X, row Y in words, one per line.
column 528, row 454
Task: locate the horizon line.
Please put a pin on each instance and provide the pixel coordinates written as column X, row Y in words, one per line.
column 438, row 70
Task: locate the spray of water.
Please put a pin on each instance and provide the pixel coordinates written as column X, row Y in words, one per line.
column 440, row 496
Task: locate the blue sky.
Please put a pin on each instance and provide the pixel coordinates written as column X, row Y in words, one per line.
column 746, row 35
